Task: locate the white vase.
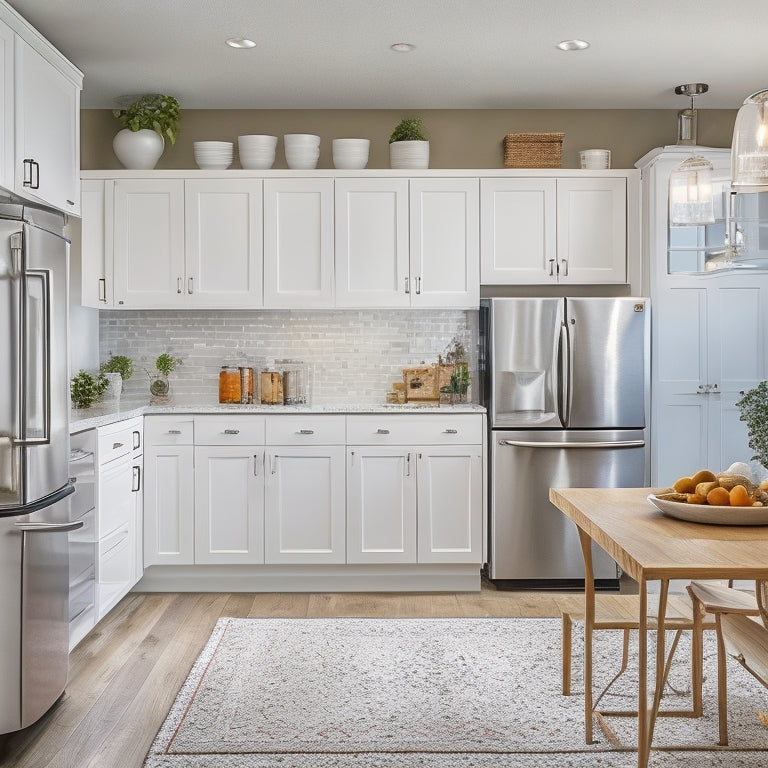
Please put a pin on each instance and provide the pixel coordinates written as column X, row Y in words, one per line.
column 115, row 386
column 409, row 154
column 138, row 150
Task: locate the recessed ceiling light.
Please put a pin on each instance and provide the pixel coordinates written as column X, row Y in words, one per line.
column 572, row 45
column 240, row 42
column 402, row 47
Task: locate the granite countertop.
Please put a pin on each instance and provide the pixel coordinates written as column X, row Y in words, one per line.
column 109, row 413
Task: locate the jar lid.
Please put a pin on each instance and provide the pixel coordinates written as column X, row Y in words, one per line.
column 229, row 368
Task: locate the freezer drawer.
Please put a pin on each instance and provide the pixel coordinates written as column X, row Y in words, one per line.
column 530, row 538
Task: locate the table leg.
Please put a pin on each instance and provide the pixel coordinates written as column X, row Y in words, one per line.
column 660, row 656
column 589, row 625
column 643, row 741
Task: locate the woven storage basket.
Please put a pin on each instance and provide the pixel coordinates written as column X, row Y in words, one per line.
column 533, row 150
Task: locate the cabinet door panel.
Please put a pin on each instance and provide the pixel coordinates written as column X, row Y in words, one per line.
column 6, row 102
column 372, row 243
column 149, row 243
column 517, row 231
column 305, row 505
column 223, row 243
column 169, row 506
column 47, row 130
column 592, row 230
column 381, row 505
column 445, row 243
column 229, row 504
column 298, row 243
column 96, row 243
column 450, row 504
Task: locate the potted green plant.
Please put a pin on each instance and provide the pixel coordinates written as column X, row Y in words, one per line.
column 147, row 123
column 85, row 389
column 753, row 409
column 165, row 364
column 408, row 145
column 116, row 370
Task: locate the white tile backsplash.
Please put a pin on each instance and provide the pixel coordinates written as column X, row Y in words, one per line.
column 355, row 355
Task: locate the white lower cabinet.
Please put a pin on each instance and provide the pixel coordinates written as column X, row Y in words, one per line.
column 229, row 504
column 304, row 506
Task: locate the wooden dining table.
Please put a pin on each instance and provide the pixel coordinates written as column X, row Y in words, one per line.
column 652, row 547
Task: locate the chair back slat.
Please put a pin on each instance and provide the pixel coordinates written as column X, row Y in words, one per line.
column 761, row 590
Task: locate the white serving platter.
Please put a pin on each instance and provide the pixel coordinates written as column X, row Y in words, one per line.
column 704, row 513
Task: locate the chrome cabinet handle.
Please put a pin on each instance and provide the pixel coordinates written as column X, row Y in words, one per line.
column 256, row 464
column 274, row 464
column 305, row 432
column 382, row 431
column 408, row 465
column 418, row 285
column 136, row 480
column 115, row 446
column 407, row 284
column 173, row 432
column 451, row 431
column 564, row 262
column 178, row 285
column 103, row 289
column 231, row 431
column 70, row 202
column 136, row 439
column 551, row 267
column 190, row 285
column 33, row 182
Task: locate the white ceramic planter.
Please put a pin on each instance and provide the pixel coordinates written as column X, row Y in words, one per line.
column 138, row 150
column 409, row 154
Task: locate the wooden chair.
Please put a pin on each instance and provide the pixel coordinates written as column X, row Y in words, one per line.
column 620, row 612
column 739, row 634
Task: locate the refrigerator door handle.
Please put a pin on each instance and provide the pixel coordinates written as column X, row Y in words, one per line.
column 28, row 355
column 564, row 354
column 49, row 527
column 596, row 444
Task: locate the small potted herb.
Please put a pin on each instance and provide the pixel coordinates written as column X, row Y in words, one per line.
column 147, row 123
column 85, row 389
column 408, row 145
column 165, row 365
column 116, row 370
column 753, row 408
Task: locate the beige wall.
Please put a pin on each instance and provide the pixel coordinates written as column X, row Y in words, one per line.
column 458, row 138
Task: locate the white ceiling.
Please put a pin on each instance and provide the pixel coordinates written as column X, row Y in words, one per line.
column 470, row 54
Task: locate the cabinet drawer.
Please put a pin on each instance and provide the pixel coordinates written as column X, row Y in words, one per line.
column 169, row 430
column 115, row 504
column 306, row 430
column 417, row 429
column 115, row 441
column 114, row 565
column 229, row 430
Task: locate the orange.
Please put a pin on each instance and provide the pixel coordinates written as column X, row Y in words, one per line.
column 740, row 497
column 719, row 497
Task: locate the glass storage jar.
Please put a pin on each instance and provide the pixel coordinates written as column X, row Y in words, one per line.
column 229, row 384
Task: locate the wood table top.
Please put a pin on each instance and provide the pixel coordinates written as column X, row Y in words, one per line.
column 649, row 545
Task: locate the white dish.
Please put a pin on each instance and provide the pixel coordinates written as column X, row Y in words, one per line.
column 704, row 513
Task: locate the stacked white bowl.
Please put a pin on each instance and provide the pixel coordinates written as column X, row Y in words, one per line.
column 213, row 155
column 302, row 150
column 257, row 151
column 350, row 154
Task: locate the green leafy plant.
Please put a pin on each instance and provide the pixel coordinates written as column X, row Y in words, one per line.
column 119, row 364
column 154, row 111
column 753, row 408
column 408, row 129
column 460, row 380
column 165, row 365
column 86, row 389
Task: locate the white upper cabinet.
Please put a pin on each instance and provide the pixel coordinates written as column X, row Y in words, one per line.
column 96, row 243
column 298, row 243
column 372, row 243
column 223, row 242
column 149, row 243
column 544, row 230
column 445, row 243
column 407, row 243
column 592, row 230
column 6, row 102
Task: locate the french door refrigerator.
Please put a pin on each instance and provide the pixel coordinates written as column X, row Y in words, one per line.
column 566, row 386
column 34, row 449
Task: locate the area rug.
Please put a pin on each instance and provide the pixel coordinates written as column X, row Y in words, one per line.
column 428, row 693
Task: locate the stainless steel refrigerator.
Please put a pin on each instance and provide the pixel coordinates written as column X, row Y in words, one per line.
column 566, row 386
column 34, row 449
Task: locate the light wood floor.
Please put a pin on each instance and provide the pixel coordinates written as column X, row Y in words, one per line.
column 125, row 674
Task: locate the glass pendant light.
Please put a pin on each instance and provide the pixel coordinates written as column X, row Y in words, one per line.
column 690, row 183
column 749, row 150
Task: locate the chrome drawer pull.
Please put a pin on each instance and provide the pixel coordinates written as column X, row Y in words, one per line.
column 451, row 431
column 306, row 432
column 174, row 432
column 115, row 446
column 382, row 431
column 231, row 431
